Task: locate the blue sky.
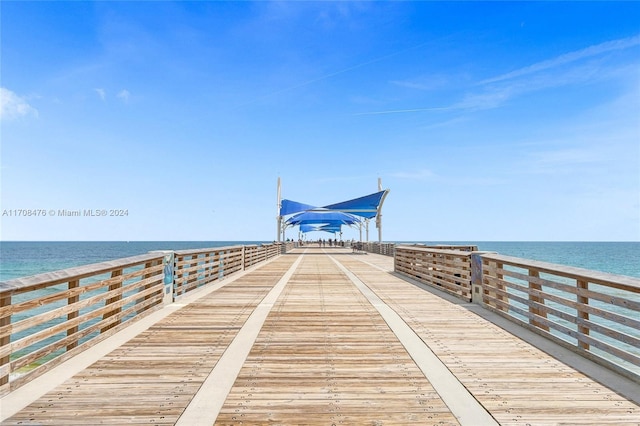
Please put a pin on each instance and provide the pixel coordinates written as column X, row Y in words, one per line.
column 487, row 121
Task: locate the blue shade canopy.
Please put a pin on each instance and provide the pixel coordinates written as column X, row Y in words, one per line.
column 366, row 206
column 331, row 218
column 322, row 217
column 288, row 207
column 321, row 227
column 331, row 228
column 309, row 228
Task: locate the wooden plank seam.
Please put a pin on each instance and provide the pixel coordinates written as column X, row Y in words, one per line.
column 462, row 404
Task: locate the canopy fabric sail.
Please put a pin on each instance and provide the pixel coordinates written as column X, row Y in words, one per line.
column 366, row 206
column 309, row 228
column 331, row 218
column 319, row 217
column 331, row 228
column 288, row 207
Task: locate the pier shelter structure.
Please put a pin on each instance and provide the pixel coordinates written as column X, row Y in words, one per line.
column 291, row 335
column 331, row 218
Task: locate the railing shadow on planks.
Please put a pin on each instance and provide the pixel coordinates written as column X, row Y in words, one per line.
column 48, row 318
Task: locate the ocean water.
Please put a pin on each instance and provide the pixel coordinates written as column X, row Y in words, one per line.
column 622, row 258
column 25, row 258
column 20, row 258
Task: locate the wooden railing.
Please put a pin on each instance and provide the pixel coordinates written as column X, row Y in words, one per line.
column 196, row 268
column 287, row 246
column 447, row 247
column 386, row 249
column 594, row 313
column 446, row 269
column 255, row 254
column 48, row 318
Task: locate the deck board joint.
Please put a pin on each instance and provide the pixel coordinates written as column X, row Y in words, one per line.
column 207, row 402
column 462, row 403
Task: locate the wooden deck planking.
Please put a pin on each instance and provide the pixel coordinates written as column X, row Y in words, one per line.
column 515, row 381
column 325, row 356
column 154, row 376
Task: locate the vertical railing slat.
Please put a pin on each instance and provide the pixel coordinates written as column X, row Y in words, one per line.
column 73, row 284
column 5, row 300
column 533, row 299
column 113, row 287
column 582, row 313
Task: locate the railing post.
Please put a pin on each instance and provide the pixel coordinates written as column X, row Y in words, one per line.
column 5, row 301
column 193, row 274
column 168, row 277
column 583, row 314
column 221, row 266
column 244, row 248
column 147, row 265
column 74, row 314
column 476, row 278
column 115, row 286
column 533, row 310
column 178, row 279
column 501, row 287
column 207, row 267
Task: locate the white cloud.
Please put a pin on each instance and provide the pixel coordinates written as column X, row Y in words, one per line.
column 542, row 75
column 403, row 111
column 487, row 100
column 495, row 95
column 101, row 93
column 566, row 58
column 13, row 106
column 124, row 95
column 427, row 83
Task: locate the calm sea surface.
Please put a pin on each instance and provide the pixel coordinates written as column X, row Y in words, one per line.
column 19, row 259
column 621, row 258
column 24, row 258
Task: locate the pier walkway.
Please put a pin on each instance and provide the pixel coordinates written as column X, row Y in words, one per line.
column 327, row 337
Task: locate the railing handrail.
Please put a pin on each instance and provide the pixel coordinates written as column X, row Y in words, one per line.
column 207, row 250
column 74, row 273
column 624, row 282
column 466, row 248
column 436, row 250
column 84, row 271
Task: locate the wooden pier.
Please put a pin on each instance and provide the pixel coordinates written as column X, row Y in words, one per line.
column 323, row 336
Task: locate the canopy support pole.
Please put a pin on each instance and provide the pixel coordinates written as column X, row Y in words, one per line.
column 379, row 215
column 279, row 218
column 366, row 222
